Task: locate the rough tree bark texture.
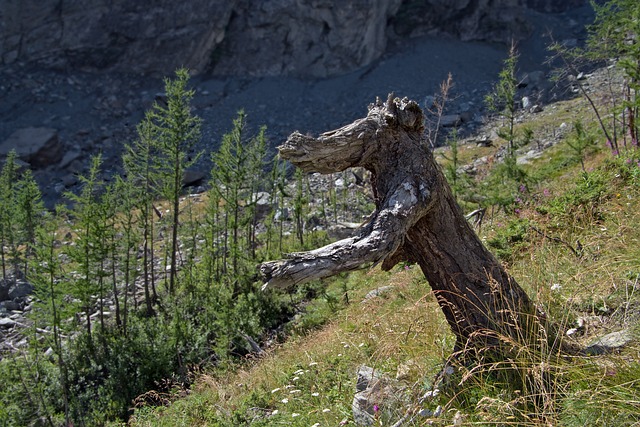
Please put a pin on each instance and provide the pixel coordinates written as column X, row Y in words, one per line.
column 416, row 219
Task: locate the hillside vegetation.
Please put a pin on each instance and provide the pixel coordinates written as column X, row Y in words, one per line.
column 572, row 241
column 147, row 308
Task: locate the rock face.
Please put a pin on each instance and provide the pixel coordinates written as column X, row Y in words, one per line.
column 312, row 38
column 117, row 34
column 317, row 38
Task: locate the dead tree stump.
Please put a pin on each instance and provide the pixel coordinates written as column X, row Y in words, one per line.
column 416, row 219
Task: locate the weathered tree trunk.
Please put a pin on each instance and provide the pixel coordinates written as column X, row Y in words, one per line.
column 416, row 219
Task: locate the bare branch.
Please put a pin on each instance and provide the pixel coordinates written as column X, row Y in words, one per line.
column 381, row 237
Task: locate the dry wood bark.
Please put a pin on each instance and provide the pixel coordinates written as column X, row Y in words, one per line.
column 416, row 219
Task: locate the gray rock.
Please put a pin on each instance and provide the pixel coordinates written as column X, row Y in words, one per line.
column 126, row 36
column 37, row 145
column 192, row 177
column 376, row 394
column 377, row 292
column 277, row 37
column 20, row 290
column 12, row 305
column 4, row 290
column 368, row 382
column 609, row 342
column 6, row 323
column 528, row 157
column 362, row 409
column 69, row 157
column 526, row 103
column 282, row 215
column 317, row 39
column 365, row 377
column 450, row 120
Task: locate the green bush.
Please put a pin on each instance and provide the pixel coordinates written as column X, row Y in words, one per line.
column 508, row 240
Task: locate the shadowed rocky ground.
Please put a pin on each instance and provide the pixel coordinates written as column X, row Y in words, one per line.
column 77, row 114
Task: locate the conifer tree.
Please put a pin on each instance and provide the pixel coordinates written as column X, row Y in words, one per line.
column 8, row 211
column 615, row 34
column 502, row 100
column 142, row 180
column 49, row 291
column 299, row 202
column 86, row 252
column 30, row 214
column 229, row 179
column 127, row 245
column 176, row 131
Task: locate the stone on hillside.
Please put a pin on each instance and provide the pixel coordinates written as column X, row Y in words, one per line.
column 368, row 379
column 528, row 156
column 377, row 292
column 450, row 120
column 192, row 177
column 39, row 146
column 375, row 394
column 4, row 290
column 609, row 342
column 365, row 377
column 20, row 290
column 70, row 156
column 12, row 305
column 526, row 103
column 6, row 323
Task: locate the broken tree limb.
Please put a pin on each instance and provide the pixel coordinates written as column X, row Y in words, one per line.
column 379, row 238
column 417, row 219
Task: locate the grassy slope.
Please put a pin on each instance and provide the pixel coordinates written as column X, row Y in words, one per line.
column 310, row 379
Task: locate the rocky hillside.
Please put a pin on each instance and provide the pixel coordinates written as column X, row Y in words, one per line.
column 246, row 37
column 76, row 77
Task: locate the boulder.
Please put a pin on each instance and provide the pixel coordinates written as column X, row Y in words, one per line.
column 39, row 146
column 192, row 177
column 20, row 290
column 13, row 305
column 4, row 290
column 377, row 292
column 450, row 120
column 6, row 323
column 376, row 395
column 610, row 342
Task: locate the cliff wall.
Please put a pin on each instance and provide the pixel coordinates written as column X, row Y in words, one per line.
column 311, row 38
